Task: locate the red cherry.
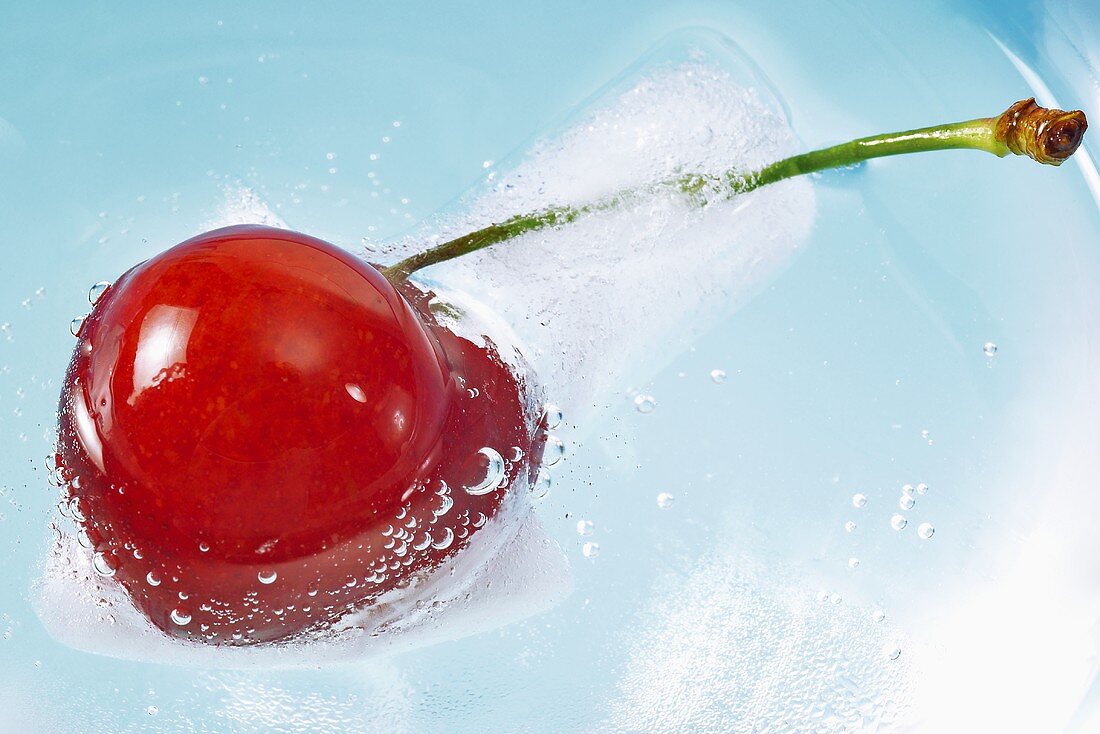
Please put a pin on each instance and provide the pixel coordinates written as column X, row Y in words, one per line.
column 261, row 433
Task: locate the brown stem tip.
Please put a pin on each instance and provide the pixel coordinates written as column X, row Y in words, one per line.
column 1046, row 135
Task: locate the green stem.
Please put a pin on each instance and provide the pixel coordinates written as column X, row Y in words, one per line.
column 1045, row 135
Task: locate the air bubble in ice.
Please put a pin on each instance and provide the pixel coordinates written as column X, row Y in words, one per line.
column 494, row 473
column 718, row 376
column 859, row 500
column 990, row 349
column 585, row 527
column 853, row 562
column 891, row 651
column 590, row 549
column 922, row 488
column 645, row 403
column 553, row 452
column 906, row 502
column 543, row 480
column 898, row 522
column 925, row 530
column 665, row 500
column 850, row 526
column 552, row 415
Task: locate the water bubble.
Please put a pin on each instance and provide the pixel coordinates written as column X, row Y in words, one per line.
column 835, row 598
column 891, row 651
column 853, row 562
column 517, row 453
column 494, row 473
column 180, row 617
column 96, row 291
column 355, row 392
column 907, row 489
column 553, row 452
column 473, row 392
column 718, row 376
column 590, row 549
column 906, row 502
column 925, row 530
column 543, row 480
column 990, row 349
column 850, row 526
column 76, row 324
column 552, row 415
column 645, row 403
column 152, row 710
column 665, row 500
column 486, row 164
column 152, row 579
column 879, row 615
column 267, row 577
column 204, row 547
column 585, row 527
column 922, row 488
column 898, row 522
column 74, row 510
column 102, row 565
column 859, row 500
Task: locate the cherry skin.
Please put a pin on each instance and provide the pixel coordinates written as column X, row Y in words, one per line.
column 259, row 432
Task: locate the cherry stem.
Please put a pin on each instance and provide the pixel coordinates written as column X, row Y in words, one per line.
column 1045, row 135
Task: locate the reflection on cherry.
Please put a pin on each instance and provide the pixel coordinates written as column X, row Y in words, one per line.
column 261, row 433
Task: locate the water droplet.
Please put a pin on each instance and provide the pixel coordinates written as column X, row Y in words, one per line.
column 590, row 549
column 891, row 651
column 76, row 324
column 443, row 542
column 859, row 500
column 96, row 291
column 152, row 579
column 267, row 577
column 850, row 526
column 990, row 349
column 898, row 522
column 906, row 502
column 853, row 562
column 922, row 488
column 180, row 618
column 494, row 473
column 543, row 480
column 585, row 527
column 718, row 376
column 552, row 416
column 355, row 392
column 925, row 530
column 665, row 500
column 102, row 565
column 645, row 403
column 553, row 451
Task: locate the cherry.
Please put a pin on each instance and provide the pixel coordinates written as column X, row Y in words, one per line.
column 259, row 432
